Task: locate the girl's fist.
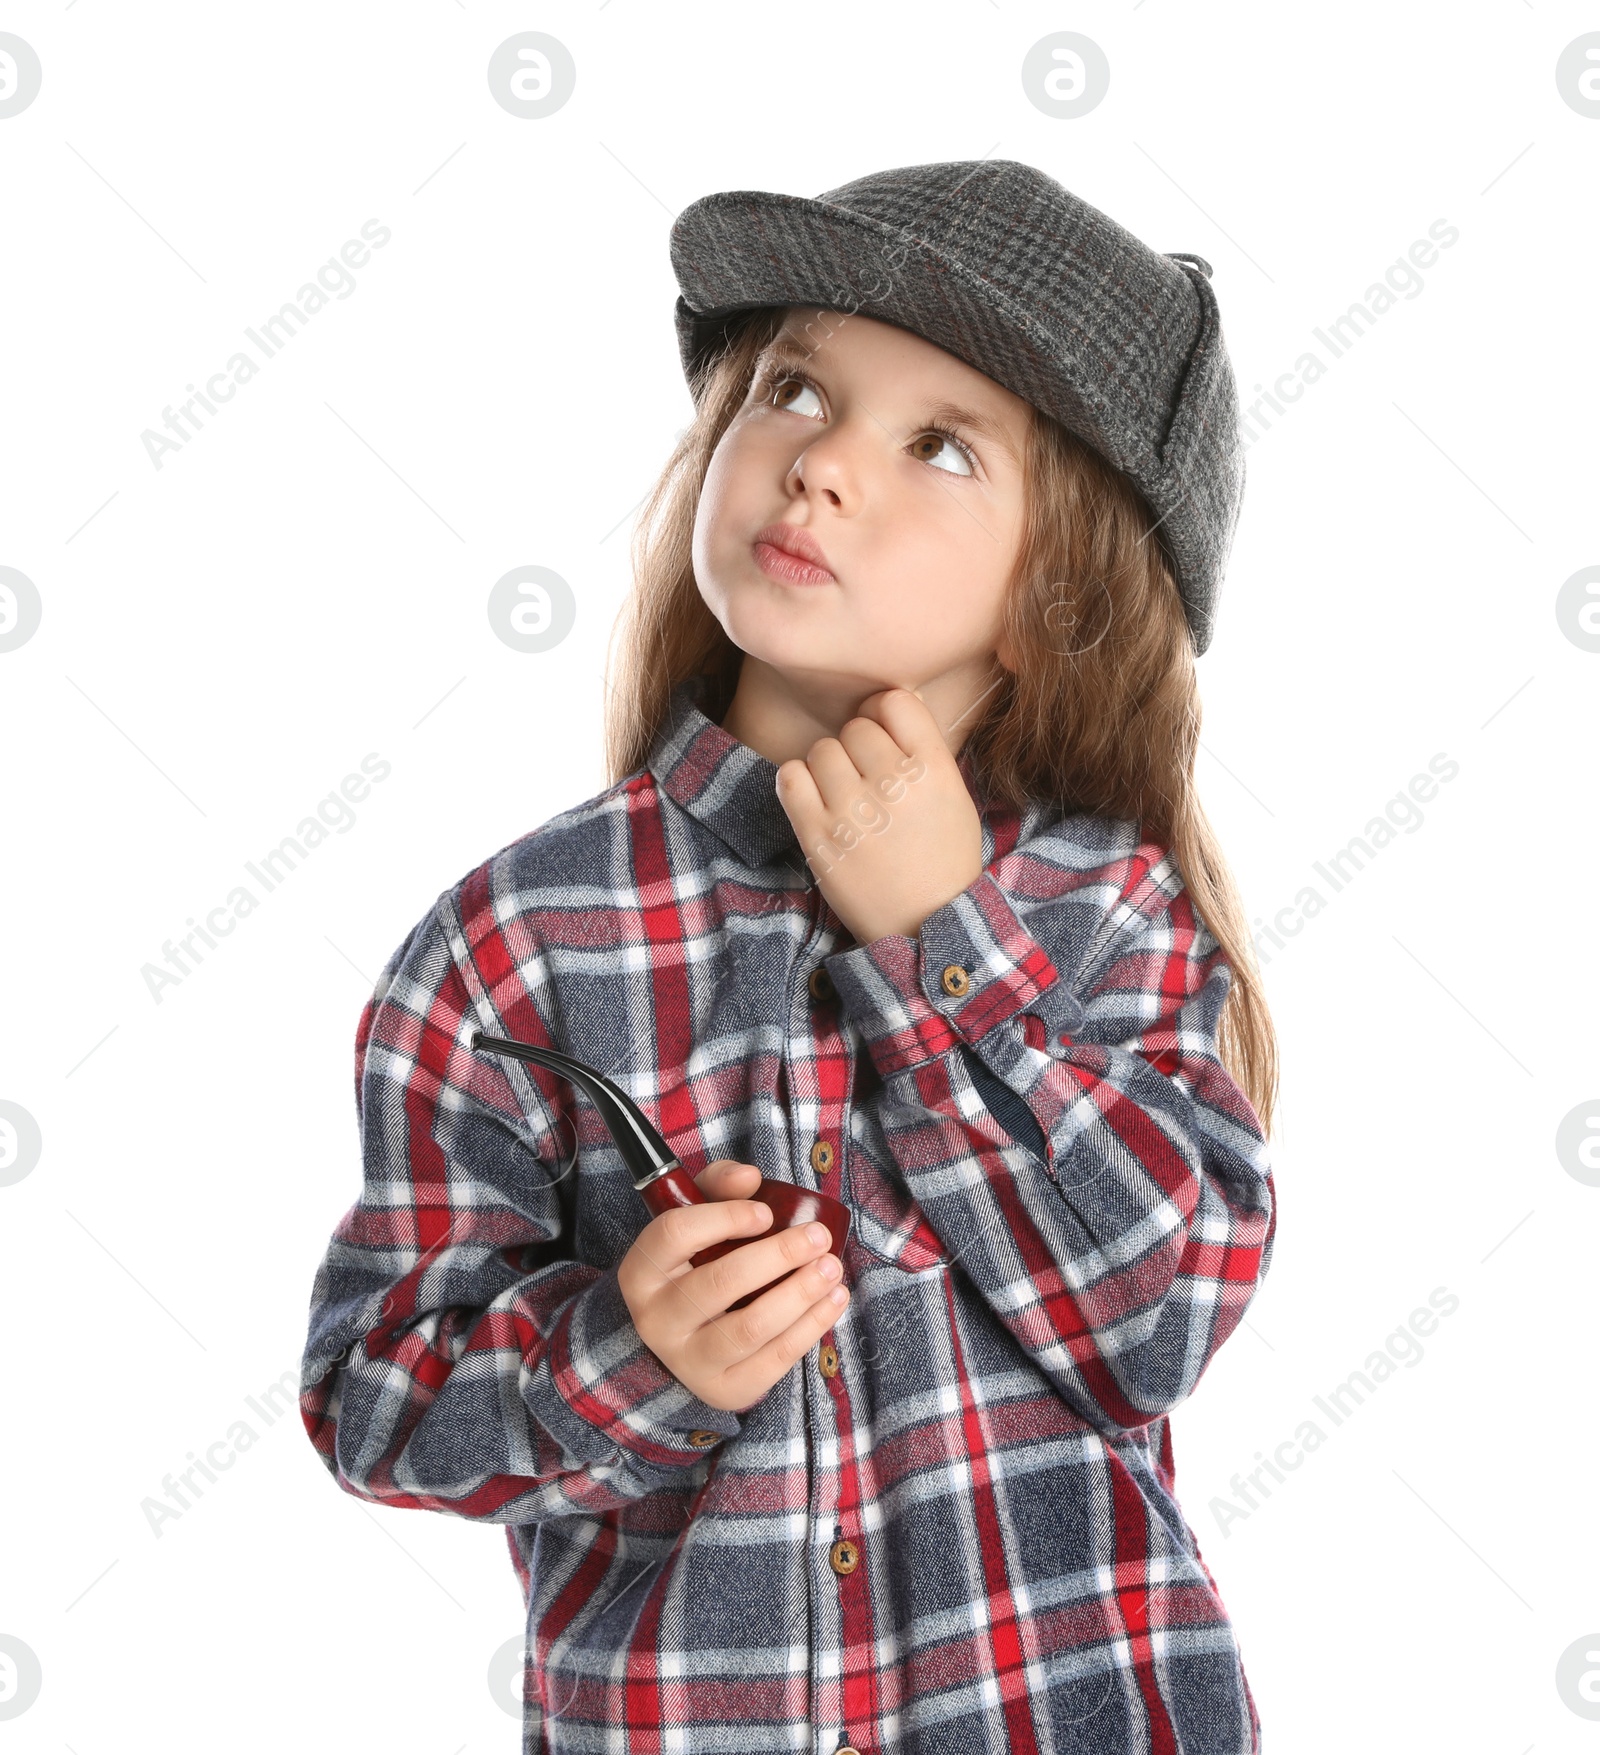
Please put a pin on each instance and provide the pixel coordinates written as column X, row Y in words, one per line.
column 884, row 817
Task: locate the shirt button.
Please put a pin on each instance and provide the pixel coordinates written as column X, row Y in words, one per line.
column 847, row 1749
column 821, row 984
column 828, row 1359
column 955, row 981
column 844, row 1557
column 822, row 1157
column 702, row 1439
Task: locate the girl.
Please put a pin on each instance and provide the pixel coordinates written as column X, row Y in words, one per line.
column 901, row 892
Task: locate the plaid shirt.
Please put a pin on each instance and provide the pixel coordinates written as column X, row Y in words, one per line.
column 952, row 1526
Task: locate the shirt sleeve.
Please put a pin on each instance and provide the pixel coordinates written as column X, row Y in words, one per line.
column 458, row 1358
column 1125, row 1249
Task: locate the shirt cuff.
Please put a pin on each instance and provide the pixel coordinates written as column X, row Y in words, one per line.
column 597, row 1377
column 972, row 966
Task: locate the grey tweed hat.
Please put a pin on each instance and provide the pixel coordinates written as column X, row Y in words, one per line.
column 1001, row 266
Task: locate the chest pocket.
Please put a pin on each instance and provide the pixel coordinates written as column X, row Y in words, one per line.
column 885, row 1219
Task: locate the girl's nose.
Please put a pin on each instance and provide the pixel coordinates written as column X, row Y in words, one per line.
column 828, row 465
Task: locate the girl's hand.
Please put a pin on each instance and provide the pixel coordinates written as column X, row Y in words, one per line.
column 730, row 1358
column 884, row 817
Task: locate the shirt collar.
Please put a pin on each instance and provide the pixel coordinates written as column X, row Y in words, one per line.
column 728, row 786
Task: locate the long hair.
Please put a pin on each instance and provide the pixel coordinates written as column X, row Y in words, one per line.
column 1101, row 713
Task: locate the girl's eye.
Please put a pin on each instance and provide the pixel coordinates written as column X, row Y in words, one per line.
column 784, row 389
column 941, row 439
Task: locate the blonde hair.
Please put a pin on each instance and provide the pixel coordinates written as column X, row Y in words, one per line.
column 1101, row 713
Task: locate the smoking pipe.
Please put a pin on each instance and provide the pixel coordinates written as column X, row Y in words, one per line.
column 660, row 1178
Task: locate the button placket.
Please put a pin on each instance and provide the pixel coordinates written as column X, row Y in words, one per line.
column 820, row 1047
column 819, row 984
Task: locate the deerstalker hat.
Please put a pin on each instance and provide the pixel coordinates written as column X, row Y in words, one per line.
column 1001, row 266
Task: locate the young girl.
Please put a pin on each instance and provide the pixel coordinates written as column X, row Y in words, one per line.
column 901, row 892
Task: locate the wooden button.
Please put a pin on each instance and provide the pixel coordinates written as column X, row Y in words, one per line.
column 844, row 1557
column 822, row 1157
column 828, row 1359
column 955, row 981
column 704, row 1438
column 820, row 983
column 847, row 1749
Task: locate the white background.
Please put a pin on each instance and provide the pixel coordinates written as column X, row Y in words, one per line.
column 225, row 637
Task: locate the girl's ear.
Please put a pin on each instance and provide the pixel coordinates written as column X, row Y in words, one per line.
column 1004, row 653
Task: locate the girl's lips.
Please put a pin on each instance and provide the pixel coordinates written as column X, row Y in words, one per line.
column 778, row 563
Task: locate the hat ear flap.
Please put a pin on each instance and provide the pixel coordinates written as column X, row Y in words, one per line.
column 697, row 336
column 1203, row 453
column 683, row 323
column 1206, row 395
column 704, row 335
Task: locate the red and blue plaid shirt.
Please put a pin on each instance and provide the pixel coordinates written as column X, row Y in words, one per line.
column 951, row 1529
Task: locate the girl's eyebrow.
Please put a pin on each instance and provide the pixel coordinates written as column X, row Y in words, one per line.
column 784, row 350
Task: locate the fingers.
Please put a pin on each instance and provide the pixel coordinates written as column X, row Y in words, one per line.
column 802, row 1263
column 908, row 719
column 849, row 765
column 726, row 1178
column 893, row 732
column 829, row 782
column 870, row 747
column 797, row 791
column 731, row 1358
column 748, row 1379
column 672, row 1237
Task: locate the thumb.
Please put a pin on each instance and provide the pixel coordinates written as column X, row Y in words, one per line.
column 727, row 1178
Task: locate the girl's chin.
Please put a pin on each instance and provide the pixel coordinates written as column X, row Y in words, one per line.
column 799, row 658
column 758, row 622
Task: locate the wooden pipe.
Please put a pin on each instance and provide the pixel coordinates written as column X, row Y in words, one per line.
column 662, row 1181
